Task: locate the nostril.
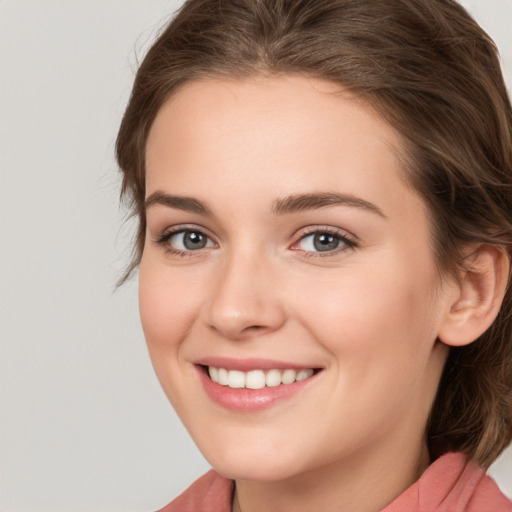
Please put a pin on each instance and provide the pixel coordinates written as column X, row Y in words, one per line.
column 254, row 328
column 236, row 332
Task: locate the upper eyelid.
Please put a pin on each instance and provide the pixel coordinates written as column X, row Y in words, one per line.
column 297, row 237
column 163, row 237
column 311, row 230
column 179, row 228
column 300, row 232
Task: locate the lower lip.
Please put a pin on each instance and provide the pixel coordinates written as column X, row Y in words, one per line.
column 246, row 400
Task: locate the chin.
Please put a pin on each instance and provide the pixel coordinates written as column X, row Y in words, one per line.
column 257, row 463
column 261, row 471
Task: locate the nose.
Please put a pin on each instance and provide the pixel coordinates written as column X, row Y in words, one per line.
column 244, row 302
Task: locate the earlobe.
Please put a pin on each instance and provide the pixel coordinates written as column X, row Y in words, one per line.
column 477, row 296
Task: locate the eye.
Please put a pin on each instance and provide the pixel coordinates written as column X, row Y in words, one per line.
column 185, row 240
column 323, row 242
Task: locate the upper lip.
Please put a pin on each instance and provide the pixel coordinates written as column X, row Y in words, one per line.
column 249, row 364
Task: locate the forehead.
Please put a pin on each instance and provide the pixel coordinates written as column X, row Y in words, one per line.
column 276, row 136
column 266, row 101
column 264, row 118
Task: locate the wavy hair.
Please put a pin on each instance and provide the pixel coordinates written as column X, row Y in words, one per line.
column 429, row 69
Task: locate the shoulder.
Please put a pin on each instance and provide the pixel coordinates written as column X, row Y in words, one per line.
column 210, row 493
column 453, row 484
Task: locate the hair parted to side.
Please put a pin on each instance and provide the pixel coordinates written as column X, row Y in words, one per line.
column 434, row 74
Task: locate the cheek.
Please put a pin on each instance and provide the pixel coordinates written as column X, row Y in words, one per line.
column 168, row 301
column 377, row 314
column 380, row 331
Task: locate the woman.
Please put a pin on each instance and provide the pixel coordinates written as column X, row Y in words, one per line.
column 324, row 194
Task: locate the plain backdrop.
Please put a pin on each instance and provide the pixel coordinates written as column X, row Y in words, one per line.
column 84, row 425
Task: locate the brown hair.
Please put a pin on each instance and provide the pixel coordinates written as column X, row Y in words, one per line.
column 434, row 74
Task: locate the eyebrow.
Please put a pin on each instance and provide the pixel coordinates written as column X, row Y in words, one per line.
column 303, row 202
column 188, row 204
column 291, row 204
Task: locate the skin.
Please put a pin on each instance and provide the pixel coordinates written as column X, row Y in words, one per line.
column 369, row 315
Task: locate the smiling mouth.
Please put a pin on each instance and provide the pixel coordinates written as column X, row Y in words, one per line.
column 258, row 379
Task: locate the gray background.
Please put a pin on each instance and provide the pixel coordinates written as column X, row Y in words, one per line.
column 84, row 425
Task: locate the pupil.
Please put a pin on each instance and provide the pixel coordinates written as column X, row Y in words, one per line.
column 325, row 242
column 194, row 240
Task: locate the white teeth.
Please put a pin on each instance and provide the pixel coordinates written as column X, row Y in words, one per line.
column 303, row 375
column 236, row 379
column 257, row 379
column 288, row 376
column 273, row 378
column 223, row 377
column 214, row 373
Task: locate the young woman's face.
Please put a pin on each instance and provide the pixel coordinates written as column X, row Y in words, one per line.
column 282, row 244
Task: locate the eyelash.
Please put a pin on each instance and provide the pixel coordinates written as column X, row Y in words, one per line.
column 164, row 238
column 347, row 241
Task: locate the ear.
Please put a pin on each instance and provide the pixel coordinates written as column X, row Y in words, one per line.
column 477, row 296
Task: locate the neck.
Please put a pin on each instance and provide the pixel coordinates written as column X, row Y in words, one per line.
column 356, row 484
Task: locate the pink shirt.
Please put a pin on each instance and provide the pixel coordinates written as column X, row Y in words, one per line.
column 448, row 485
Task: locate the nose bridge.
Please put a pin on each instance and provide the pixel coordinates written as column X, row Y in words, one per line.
column 244, row 300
